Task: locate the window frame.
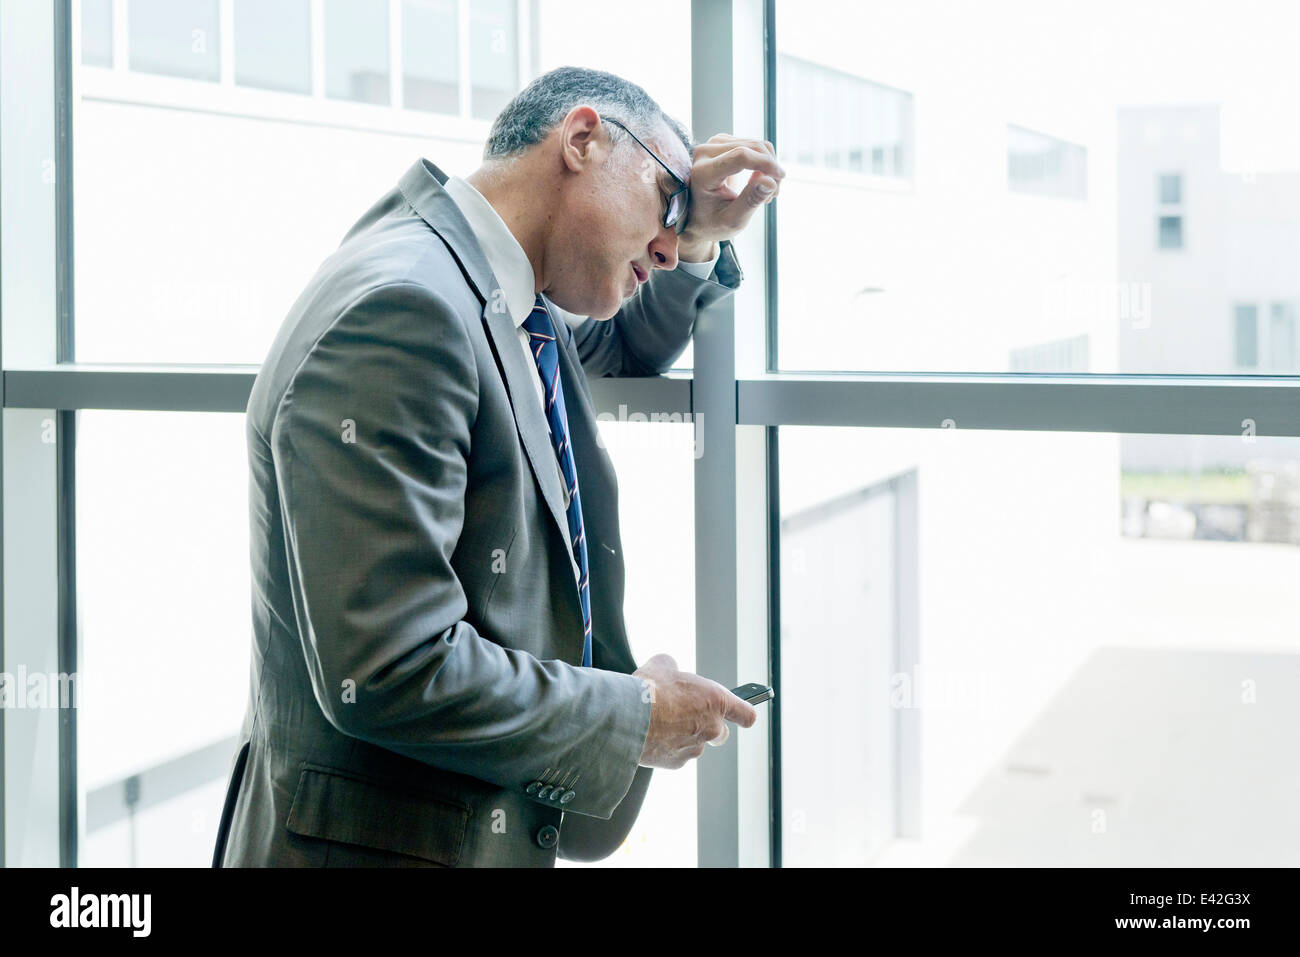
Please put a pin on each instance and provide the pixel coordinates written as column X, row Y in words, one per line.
column 1265, row 313
column 846, row 176
column 225, row 96
column 735, row 396
column 1069, row 151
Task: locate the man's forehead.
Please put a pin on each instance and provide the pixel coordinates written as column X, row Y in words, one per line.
column 671, row 149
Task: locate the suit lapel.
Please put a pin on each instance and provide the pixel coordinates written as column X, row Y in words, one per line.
column 529, row 419
column 422, row 187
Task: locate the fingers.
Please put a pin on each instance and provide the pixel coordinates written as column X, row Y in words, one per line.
column 723, row 141
column 759, row 190
column 711, row 170
column 739, row 710
column 721, row 739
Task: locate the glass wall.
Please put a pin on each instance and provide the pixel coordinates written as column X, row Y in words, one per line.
column 1103, row 174
column 1038, row 649
column 655, row 463
column 993, row 646
column 163, row 598
column 307, row 114
column 202, row 209
column 163, row 602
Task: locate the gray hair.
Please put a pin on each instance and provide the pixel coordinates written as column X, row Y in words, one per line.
column 542, row 104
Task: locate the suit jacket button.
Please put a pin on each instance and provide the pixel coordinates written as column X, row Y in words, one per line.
column 548, row 836
column 557, row 794
column 532, row 788
column 545, row 789
column 566, row 797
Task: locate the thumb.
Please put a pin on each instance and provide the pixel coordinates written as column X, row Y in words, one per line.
column 760, row 189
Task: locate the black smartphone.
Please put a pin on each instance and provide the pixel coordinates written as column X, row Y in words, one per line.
column 754, row 693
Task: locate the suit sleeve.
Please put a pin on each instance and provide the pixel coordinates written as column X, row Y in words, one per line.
column 651, row 330
column 371, row 444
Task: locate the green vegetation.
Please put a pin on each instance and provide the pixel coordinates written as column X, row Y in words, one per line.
column 1202, row 488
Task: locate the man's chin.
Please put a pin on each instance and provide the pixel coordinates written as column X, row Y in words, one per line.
column 596, row 310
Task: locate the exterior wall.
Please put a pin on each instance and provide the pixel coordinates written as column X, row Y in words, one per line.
column 1241, row 242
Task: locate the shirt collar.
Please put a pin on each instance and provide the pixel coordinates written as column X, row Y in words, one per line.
column 507, row 259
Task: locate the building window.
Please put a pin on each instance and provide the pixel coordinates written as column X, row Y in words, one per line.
column 273, row 44
column 356, row 51
column 175, row 38
column 458, row 58
column 858, row 126
column 1061, row 355
column 1171, row 232
column 1171, row 189
column 1045, row 166
column 493, row 56
column 1169, row 218
column 1247, row 335
column 1281, row 337
column 97, row 32
column 1265, row 346
column 430, row 56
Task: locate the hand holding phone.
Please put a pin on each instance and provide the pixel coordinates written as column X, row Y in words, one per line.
column 687, row 713
column 754, row 693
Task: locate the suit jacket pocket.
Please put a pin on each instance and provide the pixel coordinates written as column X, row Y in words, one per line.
column 336, row 805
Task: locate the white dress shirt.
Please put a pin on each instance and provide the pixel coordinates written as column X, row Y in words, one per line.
column 510, row 265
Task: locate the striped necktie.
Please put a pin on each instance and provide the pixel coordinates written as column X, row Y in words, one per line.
column 541, row 339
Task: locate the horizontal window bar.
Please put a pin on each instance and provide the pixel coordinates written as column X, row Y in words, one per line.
column 1181, row 405
column 646, row 395
column 146, row 388
column 1172, row 404
column 180, row 388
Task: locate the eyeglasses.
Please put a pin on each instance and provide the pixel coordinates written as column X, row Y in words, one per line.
column 679, row 202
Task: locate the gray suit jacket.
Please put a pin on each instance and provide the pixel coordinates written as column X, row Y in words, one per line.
column 417, row 630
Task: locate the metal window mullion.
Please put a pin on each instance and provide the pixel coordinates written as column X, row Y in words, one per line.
column 731, row 624
column 462, row 58
column 68, row 653
column 776, row 816
column 226, row 42
column 396, row 85
column 65, row 636
column 770, row 337
column 34, row 173
column 1165, row 405
column 1173, row 405
column 226, row 389
column 318, row 49
column 121, row 41
column 63, row 171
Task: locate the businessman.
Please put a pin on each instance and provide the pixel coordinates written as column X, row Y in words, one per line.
column 441, row 674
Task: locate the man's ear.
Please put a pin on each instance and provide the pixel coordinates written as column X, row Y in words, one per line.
column 582, row 139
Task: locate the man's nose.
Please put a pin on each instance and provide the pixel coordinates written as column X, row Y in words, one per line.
column 663, row 249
